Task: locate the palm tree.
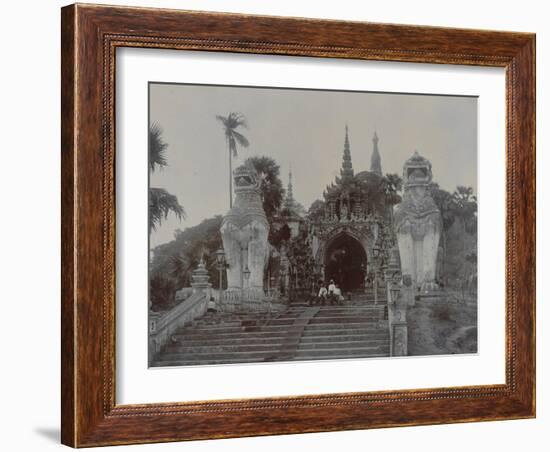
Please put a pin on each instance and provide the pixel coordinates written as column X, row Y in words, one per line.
column 161, row 203
column 231, row 122
column 391, row 186
column 271, row 186
column 445, row 202
column 465, row 203
column 157, row 147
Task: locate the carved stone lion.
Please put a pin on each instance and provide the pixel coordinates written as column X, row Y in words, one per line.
column 417, row 223
column 244, row 232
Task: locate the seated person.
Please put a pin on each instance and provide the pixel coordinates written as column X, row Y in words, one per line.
column 322, row 294
column 331, row 287
column 338, row 295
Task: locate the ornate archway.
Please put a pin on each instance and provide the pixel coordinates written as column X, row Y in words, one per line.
column 345, row 261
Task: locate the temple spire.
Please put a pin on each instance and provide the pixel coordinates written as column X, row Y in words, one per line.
column 290, row 194
column 375, row 160
column 289, row 199
column 347, row 167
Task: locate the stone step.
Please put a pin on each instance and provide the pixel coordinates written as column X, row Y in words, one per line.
column 258, row 356
column 335, row 318
column 353, row 330
column 279, row 332
column 227, row 335
column 212, row 330
column 236, row 356
column 323, row 310
column 270, row 339
column 232, row 346
column 283, row 325
column 342, row 335
column 342, row 309
column 336, row 356
column 345, row 344
column 226, row 347
column 241, row 360
column 365, row 326
column 355, row 352
column 162, row 362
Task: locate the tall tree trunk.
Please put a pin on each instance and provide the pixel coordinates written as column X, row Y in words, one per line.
column 230, row 177
column 442, row 274
column 464, row 236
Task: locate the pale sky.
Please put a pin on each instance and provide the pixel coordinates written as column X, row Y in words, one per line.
column 304, row 129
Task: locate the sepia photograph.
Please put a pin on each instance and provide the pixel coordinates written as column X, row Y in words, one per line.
column 302, row 224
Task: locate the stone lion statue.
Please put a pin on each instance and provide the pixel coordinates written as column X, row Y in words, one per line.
column 417, row 223
column 244, row 232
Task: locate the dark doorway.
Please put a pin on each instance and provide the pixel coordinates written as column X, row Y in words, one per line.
column 345, row 263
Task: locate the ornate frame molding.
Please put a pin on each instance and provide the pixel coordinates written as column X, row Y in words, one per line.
column 90, row 37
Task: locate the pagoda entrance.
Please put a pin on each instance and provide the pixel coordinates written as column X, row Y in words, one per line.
column 346, row 262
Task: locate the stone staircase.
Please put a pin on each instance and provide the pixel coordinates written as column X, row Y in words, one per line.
column 301, row 332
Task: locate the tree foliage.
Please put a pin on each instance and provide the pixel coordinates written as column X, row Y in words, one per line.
column 458, row 210
column 157, row 148
column 466, row 207
column 271, row 186
column 390, row 186
column 161, row 203
column 231, row 123
column 301, row 261
column 162, row 291
column 316, row 211
column 445, row 203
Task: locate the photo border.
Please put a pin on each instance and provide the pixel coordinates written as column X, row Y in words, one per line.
column 90, row 36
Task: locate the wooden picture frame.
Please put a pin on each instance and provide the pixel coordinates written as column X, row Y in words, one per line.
column 90, row 35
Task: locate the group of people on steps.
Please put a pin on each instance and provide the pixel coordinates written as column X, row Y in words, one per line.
column 331, row 294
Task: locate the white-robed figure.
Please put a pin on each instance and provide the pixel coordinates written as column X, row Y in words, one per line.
column 322, row 294
column 331, row 287
column 338, row 294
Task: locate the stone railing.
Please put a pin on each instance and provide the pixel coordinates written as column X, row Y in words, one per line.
column 398, row 328
column 397, row 314
column 162, row 326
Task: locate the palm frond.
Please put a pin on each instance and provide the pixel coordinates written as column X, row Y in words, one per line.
column 222, row 119
column 236, row 119
column 161, row 204
column 157, row 147
column 241, row 139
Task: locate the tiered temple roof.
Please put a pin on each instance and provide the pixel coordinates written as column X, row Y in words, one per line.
column 355, row 195
column 346, row 172
column 291, row 208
